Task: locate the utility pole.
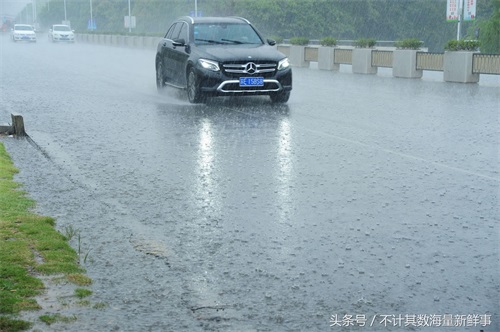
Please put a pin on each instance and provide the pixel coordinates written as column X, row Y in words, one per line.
column 33, row 9
column 129, row 19
column 460, row 16
column 91, row 17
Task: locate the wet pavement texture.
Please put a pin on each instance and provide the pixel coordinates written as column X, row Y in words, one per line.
column 364, row 195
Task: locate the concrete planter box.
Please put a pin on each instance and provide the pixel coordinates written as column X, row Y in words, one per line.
column 362, row 61
column 297, row 56
column 404, row 64
column 152, row 42
column 127, row 41
column 140, row 42
column 458, row 67
column 120, row 40
column 326, row 58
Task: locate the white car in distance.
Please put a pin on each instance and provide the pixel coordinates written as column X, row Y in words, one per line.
column 61, row 33
column 23, row 32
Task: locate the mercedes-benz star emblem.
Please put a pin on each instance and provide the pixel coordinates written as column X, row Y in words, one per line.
column 250, row 68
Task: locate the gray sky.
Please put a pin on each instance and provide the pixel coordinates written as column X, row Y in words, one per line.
column 12, row 7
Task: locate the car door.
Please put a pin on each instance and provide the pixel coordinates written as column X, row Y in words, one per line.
column 180, row 54
column 166, row 52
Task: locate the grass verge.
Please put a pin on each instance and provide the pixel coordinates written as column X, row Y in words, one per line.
column 30, row 246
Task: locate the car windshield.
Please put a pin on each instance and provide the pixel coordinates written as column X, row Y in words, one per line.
column 61, row 28
column 224, row 33
column 23, row 28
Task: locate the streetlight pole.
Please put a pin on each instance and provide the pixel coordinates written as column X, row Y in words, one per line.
column 91, row 17
column 65, row 17
column 196, row 8
column 129, row 19
column 33, row 13
column 460, row 16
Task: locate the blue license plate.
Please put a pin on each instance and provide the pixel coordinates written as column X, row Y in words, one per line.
column 251, row 81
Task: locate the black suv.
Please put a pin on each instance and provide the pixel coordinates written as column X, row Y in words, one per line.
column 221, row 56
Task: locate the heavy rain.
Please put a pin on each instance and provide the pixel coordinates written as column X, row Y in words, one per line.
column 365, row 203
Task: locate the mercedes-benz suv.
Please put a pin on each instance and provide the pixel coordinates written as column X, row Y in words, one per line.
column 221, row 56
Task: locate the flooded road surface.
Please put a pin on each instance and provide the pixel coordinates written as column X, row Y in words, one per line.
column 367, row 203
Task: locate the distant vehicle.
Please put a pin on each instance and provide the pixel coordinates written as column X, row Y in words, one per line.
column 23, row 32
column 61, row 33
column 221, row 56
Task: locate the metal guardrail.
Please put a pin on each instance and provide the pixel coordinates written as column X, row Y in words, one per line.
column 382, row 58
column 486, row 64
column 481, row 63
column 430, row 61
column 343, row 56
column 284, row 49
column 311, row 54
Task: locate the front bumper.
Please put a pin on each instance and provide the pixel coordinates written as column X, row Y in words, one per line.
column 60, row 38
column 19, row 37
column 219, row 84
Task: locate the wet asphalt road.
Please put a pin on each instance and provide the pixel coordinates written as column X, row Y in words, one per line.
column 364, row 195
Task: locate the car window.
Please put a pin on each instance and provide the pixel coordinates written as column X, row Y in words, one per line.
column 23, row 28
column 61, row 28
column 170, row 31
column 175, row 32
column 224, row 33
column 183, row 34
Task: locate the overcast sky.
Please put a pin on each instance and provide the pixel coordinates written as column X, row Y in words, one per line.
column 12, row 7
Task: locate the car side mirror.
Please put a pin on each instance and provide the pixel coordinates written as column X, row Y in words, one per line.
column 179, row 42
column 271, row 42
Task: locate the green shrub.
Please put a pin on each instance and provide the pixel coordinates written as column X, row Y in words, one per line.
column 409, row 44
column 365, row 42
column 299, row 41
column 328, row 41
column 462, row 45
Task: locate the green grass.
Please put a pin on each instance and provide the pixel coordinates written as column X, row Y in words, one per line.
column 54, row 318
column 82, row 292
column 29, row 246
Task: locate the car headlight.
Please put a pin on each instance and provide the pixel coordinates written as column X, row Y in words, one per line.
column 283, row 64
column 210, row 65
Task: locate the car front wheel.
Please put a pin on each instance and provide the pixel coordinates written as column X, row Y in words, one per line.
column 193, row 88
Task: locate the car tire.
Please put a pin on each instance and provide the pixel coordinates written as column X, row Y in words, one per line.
column 160, row 77
column 280, row 97
column 194, row 93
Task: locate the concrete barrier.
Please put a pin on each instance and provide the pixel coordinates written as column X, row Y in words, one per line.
column 404, row 64
column 297, row 56
column 326, row 59
column 458, row 67
column 362, row 61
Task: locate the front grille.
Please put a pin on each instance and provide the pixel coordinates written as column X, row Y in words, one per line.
column 249, row 68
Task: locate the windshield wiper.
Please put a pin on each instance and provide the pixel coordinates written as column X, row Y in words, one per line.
column 210, row 41
column 234, row 41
